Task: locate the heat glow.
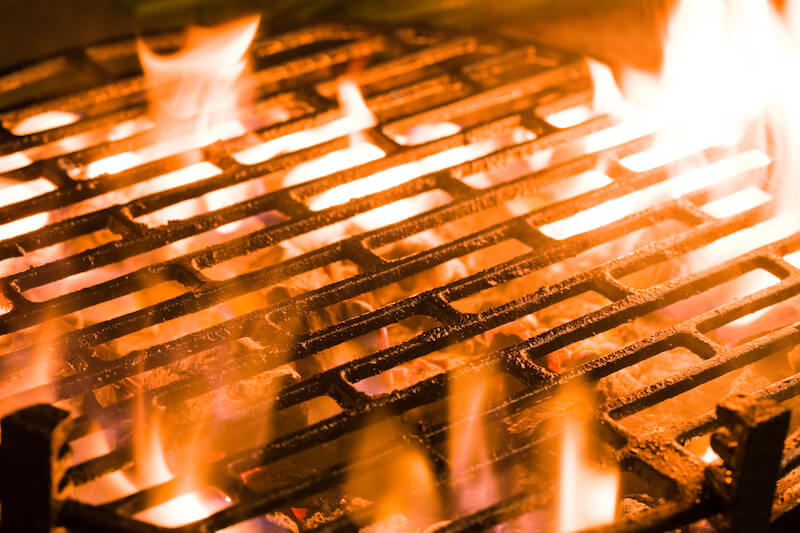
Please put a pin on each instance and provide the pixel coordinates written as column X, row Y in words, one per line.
column 729, row 81
column 194, row 94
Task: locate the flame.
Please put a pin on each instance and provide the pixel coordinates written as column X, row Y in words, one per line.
column 680, row 185
column 194, row 94
column 729, row 82
column 199, row 83
column 410, row 501
column 194, row 97
column 469, row 444
column 356, row 117
column 151, row 468
column 361, row 151
column 587, row 491
column 588, row 495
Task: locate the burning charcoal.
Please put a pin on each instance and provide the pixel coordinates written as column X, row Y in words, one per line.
column 336, row 510
column 279, row 523
column 299, row 512
column 749, row 380
column 561, row 359
column 634, row 505
column 513, row 333
column 646, row 372
column 393, row 524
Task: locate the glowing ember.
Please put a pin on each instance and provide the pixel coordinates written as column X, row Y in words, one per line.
column 113, row 164
column 737, row 202
column 44, row 121
column 571, row 116
column 14, row 161
column 710, row 456
column 356, row 117
column 427, row 132
column 623, row 206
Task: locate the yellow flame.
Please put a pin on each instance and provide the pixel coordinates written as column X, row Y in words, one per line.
column 469, row 445
column 198, row 83
column 410, row 500
column 729, row 80
column 588, row 495
column 194, row 94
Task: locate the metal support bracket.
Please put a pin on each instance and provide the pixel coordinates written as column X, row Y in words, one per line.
column 750, row 444
column 34, row 455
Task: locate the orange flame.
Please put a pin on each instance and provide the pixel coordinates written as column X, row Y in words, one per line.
column 588, row 495
column 729, row 81
column 407, row 503
column 587, row 491
column 194, row 93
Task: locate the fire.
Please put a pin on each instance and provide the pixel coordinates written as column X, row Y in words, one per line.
column 469, row 443
column 587, row 491
column 194, row 93
column 675, row 187
column 587, row 494
column 356, row 117
column 746, row 98
column 152, row 469
column 729, row 83
column 401, row 485
column 199, row 83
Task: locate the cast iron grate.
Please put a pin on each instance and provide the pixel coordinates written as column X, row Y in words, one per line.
column 489, row 85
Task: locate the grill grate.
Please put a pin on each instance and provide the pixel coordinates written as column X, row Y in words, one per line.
column 493, row 86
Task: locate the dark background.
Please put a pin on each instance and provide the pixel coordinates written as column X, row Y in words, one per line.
column 618, row 31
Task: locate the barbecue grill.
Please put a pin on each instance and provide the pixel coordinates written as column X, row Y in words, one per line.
column 488, row 86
